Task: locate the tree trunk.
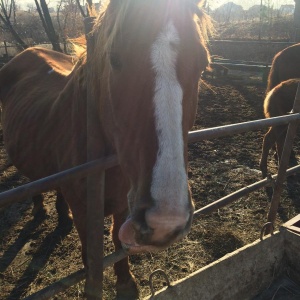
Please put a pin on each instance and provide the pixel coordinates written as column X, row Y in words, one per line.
column 5, row 18
column 84, row 15
column 48, row 25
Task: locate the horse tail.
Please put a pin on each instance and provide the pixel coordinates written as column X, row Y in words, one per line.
column 267, row 101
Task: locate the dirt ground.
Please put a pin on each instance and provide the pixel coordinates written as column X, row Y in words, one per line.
column 34, row 254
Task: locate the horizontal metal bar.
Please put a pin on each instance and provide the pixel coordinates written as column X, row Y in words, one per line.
column 74, row 278
column 58, row 287
column 221, row 131
column 250, row 42
column 208, row 209
column 242, row 67
column 55, row 180
column 220, row 61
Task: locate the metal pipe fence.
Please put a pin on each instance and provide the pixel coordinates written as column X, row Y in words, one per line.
column 53, row 181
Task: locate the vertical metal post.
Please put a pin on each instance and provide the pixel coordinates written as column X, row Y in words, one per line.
column 284, row 161
column 297, row 21
column 95, row 191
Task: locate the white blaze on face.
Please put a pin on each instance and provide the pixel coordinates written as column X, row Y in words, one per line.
column 169, row 182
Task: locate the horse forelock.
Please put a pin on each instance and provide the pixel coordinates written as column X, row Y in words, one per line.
column 109, row 23
column 110, row 20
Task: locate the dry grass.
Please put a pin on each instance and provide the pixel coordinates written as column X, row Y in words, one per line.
column 278, row 29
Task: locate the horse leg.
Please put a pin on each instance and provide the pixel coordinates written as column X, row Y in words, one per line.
column 64, row 217
column 268, row 142
column 39, row 210
column 126, row 285
column 293, row 159
column 73, row 196
column 274, row 148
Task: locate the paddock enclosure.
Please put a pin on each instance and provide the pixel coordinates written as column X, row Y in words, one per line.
column 34, row 254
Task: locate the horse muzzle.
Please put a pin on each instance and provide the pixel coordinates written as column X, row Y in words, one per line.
column 160, row 232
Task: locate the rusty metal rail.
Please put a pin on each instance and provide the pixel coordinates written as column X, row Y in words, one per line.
column 53, row 181
column 221, row 131
column 206, row 210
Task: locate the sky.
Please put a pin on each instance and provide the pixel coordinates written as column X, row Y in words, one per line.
column 213, row 3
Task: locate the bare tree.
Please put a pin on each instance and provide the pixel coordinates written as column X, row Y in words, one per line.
column 90, row 6
column 44, row 14
column 7, row 13
column 69, row 19
column 62, row 24
column 84, row 15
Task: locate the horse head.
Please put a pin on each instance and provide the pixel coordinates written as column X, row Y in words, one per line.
column 151, row 58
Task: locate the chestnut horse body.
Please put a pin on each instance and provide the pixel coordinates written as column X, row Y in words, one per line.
column 146, row 63
column 280, row 95
column 285, row 65
column 279, row 101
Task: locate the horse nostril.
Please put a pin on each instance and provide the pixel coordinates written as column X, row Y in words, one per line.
column 167, row 227
column 143, row 232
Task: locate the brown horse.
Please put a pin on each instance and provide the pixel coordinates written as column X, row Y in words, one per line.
column 285, row 65
column 146, row 63
column 279, row 101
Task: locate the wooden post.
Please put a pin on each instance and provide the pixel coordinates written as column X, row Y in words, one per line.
column 95, row 191
column 284, row 161
column 297, row 21
column 5, row 47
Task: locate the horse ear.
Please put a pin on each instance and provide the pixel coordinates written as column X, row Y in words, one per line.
column 200, row 3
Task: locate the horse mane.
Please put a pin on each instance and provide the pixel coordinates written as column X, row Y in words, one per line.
column 204, row 23
column 105, row 30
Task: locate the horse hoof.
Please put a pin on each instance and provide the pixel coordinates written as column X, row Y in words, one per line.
column 127, row 291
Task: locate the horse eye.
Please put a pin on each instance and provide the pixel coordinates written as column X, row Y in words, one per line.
column 115, row 61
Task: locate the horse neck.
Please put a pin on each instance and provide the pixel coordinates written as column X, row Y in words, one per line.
column 91, row 98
